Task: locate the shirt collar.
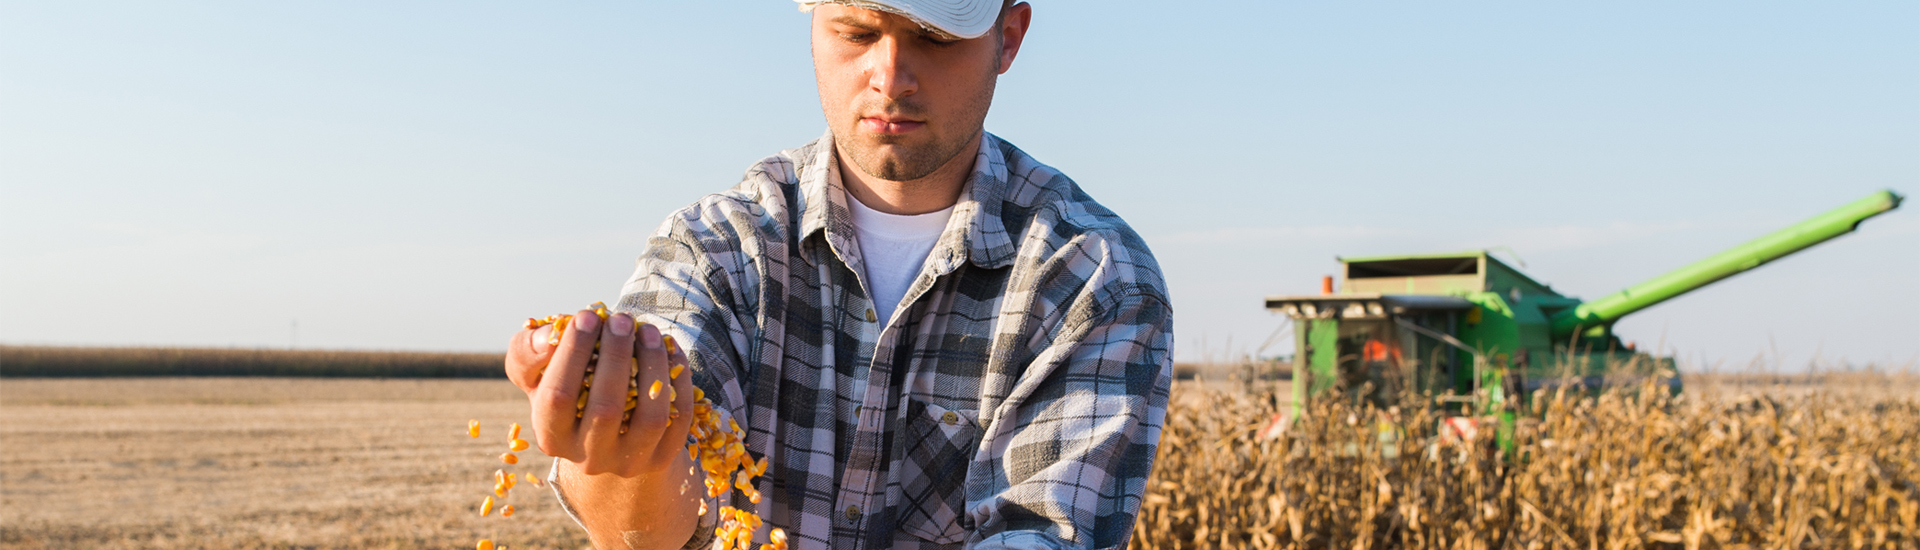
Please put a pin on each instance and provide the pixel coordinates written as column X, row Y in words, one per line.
column 975, row 233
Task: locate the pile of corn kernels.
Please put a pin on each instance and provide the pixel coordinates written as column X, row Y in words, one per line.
column 717, row 448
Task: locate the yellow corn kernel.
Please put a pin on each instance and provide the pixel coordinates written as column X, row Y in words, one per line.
column 486, row 507
column 580, row 402
column 699, row 394
column 703, row 507
column 507, row 511
column 517, row 445
column 674, row 372
column 534, row 480
column 559, row 327
column 653, row 392
column 509, row 458
column 672, row 394
column 513, row 432
column 485, row 545
column 473, row 428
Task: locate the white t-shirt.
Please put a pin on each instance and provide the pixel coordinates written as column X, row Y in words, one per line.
column 894, row 248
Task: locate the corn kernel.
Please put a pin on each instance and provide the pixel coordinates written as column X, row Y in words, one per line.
column 507, row 511
column 509, row 458
column 534, row 480
column 485, row 545
column 473, row 428
column 513, row 431
column 486, row 507
column 718, row 447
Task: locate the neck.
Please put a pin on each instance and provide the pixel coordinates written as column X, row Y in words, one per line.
column 932, row 193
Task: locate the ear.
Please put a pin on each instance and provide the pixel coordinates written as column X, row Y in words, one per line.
column 1013, row 31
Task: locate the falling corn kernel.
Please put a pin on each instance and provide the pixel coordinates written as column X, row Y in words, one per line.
column 534, row 480
column 513, row 431
column 507, row 511
column 517, row 445
column 473, row 428
column 653, row 392
column 485, row 545
column 486, row 507
column 510, row 458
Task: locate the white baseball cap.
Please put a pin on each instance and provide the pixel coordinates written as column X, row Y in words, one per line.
column 963, row 19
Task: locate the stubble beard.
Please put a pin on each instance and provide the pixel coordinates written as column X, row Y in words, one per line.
column 909, row 161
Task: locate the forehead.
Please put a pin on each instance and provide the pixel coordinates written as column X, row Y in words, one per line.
column 865, row 18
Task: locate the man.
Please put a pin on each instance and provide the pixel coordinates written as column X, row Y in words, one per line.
column 935, row 340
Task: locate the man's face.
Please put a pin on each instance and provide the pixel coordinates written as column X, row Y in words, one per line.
column 901, row 102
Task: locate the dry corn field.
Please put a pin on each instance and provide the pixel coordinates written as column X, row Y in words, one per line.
column 1734, row 463
column 366, row 463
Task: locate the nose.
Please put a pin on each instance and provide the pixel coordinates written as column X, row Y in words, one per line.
column 891, row 71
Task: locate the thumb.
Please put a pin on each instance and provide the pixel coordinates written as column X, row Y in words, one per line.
column 527, row 357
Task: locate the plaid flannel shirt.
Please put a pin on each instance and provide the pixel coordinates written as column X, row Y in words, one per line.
column 1015, row 400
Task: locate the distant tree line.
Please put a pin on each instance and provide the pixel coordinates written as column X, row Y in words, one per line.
column 60, row 361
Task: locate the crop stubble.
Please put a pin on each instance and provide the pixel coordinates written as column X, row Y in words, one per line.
column 261, row 463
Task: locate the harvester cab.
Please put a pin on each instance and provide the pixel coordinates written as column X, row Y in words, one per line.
column 1480, row 335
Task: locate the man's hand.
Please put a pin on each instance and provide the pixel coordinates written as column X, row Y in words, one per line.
column 631, row 487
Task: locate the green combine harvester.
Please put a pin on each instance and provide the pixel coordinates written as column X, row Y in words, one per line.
column 1480, row 335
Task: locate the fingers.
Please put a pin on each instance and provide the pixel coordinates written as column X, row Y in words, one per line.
column 680, row 419
column 557, row 397
column 607, row 399
column 650, row 412
column 527, row 357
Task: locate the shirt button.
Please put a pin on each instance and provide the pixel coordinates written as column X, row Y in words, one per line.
column 950, row 418
column 853, row 513
column 871, row 317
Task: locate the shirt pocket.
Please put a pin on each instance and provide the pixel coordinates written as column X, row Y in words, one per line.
column 939, row 445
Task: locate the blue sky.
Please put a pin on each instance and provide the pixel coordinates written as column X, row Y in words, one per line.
column 421, row 175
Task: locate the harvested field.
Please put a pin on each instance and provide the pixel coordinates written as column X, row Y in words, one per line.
column 263, row 463
column 364, row 463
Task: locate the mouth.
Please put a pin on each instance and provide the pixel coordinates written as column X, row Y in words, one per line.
column 891, row 126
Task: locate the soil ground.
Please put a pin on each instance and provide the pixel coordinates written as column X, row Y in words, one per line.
column 264, row 463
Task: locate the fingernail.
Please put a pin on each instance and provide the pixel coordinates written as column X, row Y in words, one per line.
column 622, row 325
column 649, row 336
column 586, row 324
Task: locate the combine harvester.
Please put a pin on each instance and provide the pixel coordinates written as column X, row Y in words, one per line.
column 1481, row 336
